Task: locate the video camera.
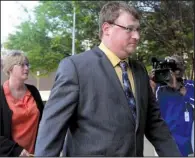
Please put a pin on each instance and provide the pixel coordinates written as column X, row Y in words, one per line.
column 161, row 70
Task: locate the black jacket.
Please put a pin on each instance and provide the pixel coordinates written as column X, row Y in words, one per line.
column 7, row 146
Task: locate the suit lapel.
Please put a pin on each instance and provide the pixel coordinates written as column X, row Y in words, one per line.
column 114, row 81
column 136, row 78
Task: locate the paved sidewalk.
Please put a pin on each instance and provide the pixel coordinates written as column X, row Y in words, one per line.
column 148, row 148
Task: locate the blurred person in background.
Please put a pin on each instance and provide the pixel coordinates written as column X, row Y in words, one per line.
column 21, row 108
column 192, row 140
column 176, row 100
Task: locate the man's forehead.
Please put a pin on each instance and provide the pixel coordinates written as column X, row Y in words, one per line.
column 136, row 25
column 128, row 19
column 127, row 14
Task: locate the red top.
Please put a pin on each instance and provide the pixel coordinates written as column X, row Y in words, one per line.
column 25, row 118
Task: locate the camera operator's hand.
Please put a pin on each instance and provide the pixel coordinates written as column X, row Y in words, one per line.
column 152, row 83
column 173, row 81
column 183, row 91
column 175, row 84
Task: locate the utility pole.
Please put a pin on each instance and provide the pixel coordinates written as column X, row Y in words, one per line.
column 38, row 74
column 73, row 29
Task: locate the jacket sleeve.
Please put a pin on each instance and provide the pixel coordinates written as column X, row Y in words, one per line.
column 156, row 130
column 7, row 146
column 189, row 96
column 58, row 110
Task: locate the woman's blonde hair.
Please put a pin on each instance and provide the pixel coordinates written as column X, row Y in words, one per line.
column 13, row 57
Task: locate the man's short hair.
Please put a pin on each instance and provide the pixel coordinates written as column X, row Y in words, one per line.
column 111, row 11
column 178, row 60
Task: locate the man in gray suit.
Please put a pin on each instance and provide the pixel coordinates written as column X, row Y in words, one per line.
column 104, row 98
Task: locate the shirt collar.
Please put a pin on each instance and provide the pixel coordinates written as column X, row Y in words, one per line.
column 111, row 56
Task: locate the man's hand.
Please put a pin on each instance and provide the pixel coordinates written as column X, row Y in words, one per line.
column 183, row 91
column 175, row 84
column 152, row 83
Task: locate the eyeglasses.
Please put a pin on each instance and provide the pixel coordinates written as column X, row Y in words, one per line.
column 129, row 28
column 24, row 64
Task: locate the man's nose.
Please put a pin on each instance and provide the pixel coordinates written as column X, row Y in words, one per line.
column 136, row 35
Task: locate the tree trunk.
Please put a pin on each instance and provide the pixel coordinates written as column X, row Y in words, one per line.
column 192, row 70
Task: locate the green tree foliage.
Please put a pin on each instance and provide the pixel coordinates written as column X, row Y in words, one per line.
column 48, row 38
column 33, row 38
column 167, row 28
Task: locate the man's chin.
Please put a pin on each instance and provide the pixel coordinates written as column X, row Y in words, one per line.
column 130, row 51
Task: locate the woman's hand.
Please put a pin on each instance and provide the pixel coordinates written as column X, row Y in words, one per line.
column 24, row 153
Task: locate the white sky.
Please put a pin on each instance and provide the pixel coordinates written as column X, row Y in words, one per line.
column 12, row 14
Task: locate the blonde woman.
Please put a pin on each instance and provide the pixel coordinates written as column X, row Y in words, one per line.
column 21, row 108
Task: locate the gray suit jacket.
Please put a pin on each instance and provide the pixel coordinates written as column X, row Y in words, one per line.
column 87, row 97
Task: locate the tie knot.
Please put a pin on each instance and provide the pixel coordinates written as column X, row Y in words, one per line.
column 123, row 65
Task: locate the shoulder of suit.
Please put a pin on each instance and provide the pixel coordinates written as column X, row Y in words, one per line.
column 86, row 55
column 137, row 64
column 133, row 61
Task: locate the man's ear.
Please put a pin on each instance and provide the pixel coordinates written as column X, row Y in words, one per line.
column 106, row 28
